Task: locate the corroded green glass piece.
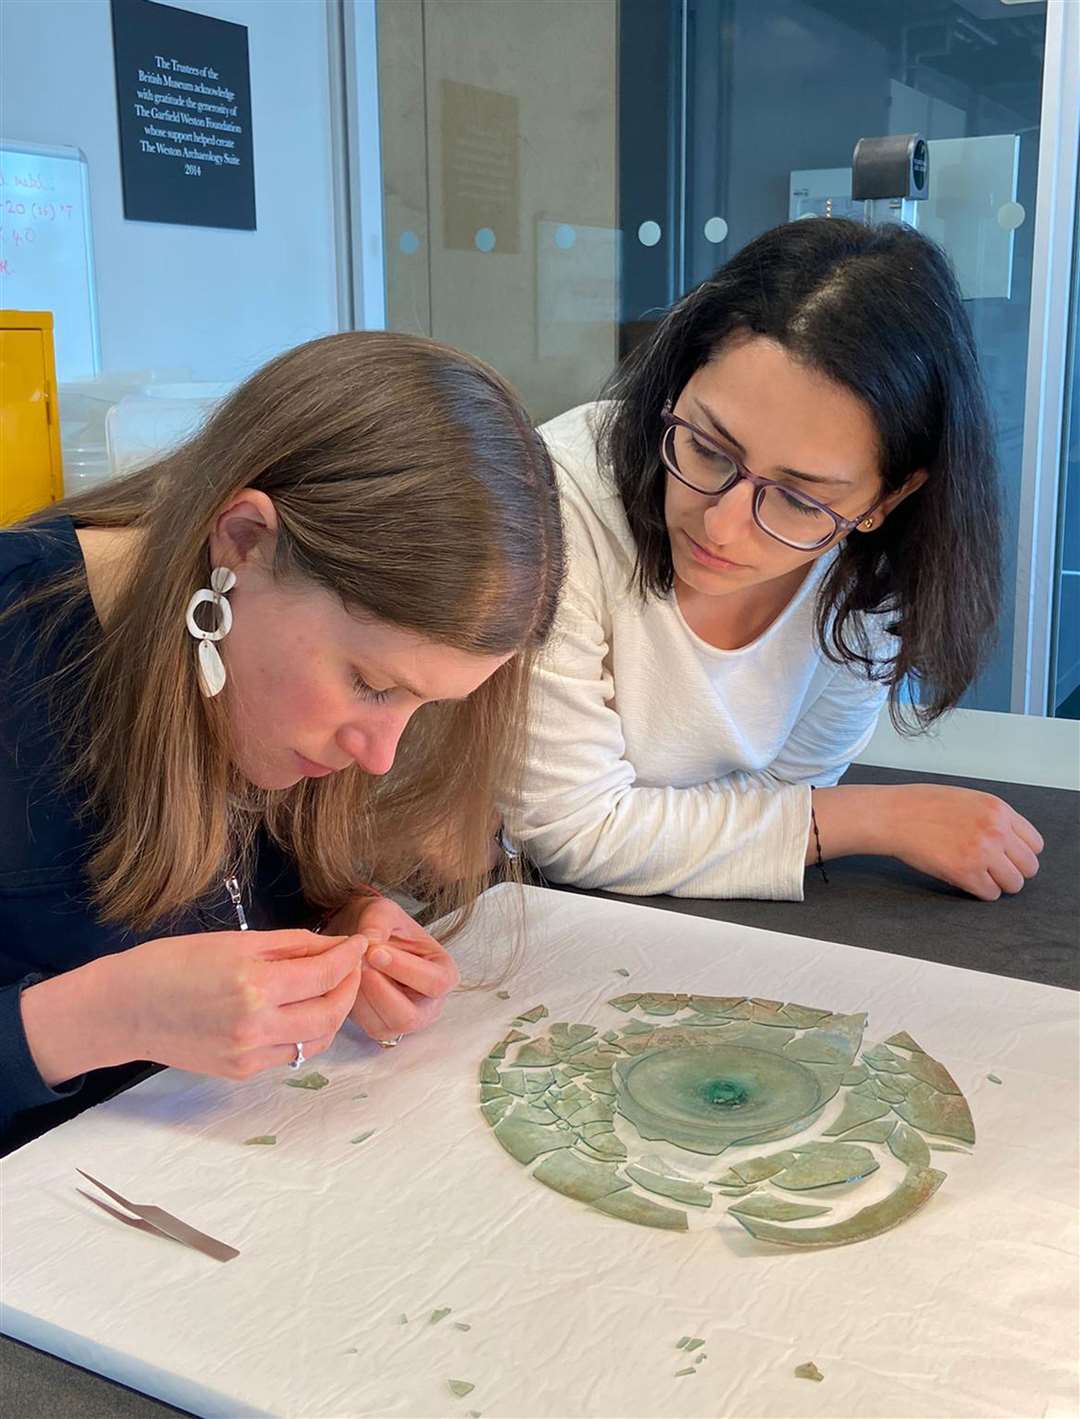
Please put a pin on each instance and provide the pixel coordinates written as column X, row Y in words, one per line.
column 513, row 1081
column 491, row 1091
column 881, row 1058
column 579, row 1177
column 682, row 1343
column 822, row 1166
column 462, row 1325
column 910, row 1147
column 933, row 1112
column 502, row 995
column 694, row 1344
column 755, row 1170
column 993, row 1079
column 600, row 1082
column 536, row 1053
column 677, row 1189
column 610, row 1036
column 858, row 1109
column 720, row 1004
column 931, row 1072
column 734, row 1191
column 592, row 1113
column 499, row 1051
column 776, row 1209
column 362, row 1137
column 835, row 1041
column 809, row 1371
column 460, row 1388
column 949, row 1148
column 606, row 1146
column 525, row 1141
column 904, row 1041
column 918, row 1186
column 308, row 1081
column 771, row 1038
column 688, row 1371
column 493, row 1109
column 708, row 1097
column 655, row 1004
column 637, row 1027
column 621, row 971
column 858, row 1074
column 876, row 1131
column 765, row 1012
column 263, row 1140
column 630, row 1206
column 537, row 1012
column 625, row 1002
column 563, row 1035
column 438, row 1315
column 535, row 1111
column 886, row 1090
column 803, row 1016
column 489, row 1072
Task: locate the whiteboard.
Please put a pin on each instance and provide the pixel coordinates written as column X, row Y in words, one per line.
column 46, row 250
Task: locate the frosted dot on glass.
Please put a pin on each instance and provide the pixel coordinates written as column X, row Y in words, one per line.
column 565, row 236
column 408, row 242
column 484, row 240
column 716, row 229
column 1010, row 216
column 649, row 233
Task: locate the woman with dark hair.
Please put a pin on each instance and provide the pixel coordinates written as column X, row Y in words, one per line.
column 784, row 514
column 287, row 660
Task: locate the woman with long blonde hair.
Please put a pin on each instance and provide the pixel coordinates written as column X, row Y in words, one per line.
column 288, row 659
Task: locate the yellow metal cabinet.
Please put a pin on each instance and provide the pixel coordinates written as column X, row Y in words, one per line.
column 31, row 474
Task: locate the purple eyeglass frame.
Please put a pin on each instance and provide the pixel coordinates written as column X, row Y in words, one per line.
column 760, row 485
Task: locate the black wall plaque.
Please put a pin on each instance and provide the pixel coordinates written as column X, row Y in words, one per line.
column 183, row 90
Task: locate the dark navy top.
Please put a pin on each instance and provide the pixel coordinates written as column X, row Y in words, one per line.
column 48, row 923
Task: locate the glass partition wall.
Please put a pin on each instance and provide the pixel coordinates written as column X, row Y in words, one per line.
column 556, row 173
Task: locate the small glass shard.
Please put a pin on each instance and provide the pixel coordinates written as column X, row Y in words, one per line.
column 809, row 1371
column 536, row 1052
column 536, row 1013
column 659, row 1004
column 263, row 1140
column 513, row 1081
column 460, row 1388
column 682, row 1343
column 903, row 1040
column 678, row 1189
column 438, row 1315
column 932, row 1073
column 755, row 1170
column 688, row 1371
column 803, row 1017
column 993, row 1079
column 403, row 1319
column 526, row 1141
column 564, row 1036
column 462, row 1325
column 694, row 1344
column 493, row 1109
column 579, row 1177
column 818, row 1166
column 625, row 1002
column 502, row 995
column 776, row 1209
column 361, row 1095
column 858, row 1109
column 876, row 1131
column 621, row 971
column 308, row 1081
column 489, row 1072
column 910, row 1147
column 885, row 1091
column 362, row 1137
column 949, row 1148
column 856, row 1075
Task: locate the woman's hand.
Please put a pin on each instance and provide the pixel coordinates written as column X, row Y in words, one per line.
column 970, row 839
column 232, row 1003
column 407, row 974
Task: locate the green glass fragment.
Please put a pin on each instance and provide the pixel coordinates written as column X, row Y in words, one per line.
column 694, row 1344
column 817, row 1166
column 918, row 1186
column 720, row 1004
column 835, row 1041
column 949, row 1148
column 624, row 1002
column 876, row 1131
column 735, row 1191
column 933, row 1112
column 809, row 1371
column 462, row 1325
column 611, row 1036
column 536, row 1052
column 536, row 1013
column 494, row 1109
column 764, row 1012
column 362, row 1137
column 621, row 971
column 600, row 1083
column 858, row 1109
column 772, row 1038
column 803, row 1016
column 755, row 1170
column 489, row 1072
column 857, row 1075
column 682, row 1343
column 638, row 1027
column 776, row 1209
column 264, row 1140
column 564, row 1036
column 630, row 1206
column 678, row 1189
column 688, row 1371
column 884, row 1090
column 910, row 1147
column 526, row 1141
column 929, row 1071
column 491, row 1091
column 438, row 1315
column 606, row 1146
column 308, row 1081
column 993, row 1079
column 657, row 1004
column 903, row 1040
column 502, row 994
column 460, row 1388
column 361, row 1095
column 403, row 1319
column 579, row 1177
column 881, row 1058
column 513, row 1081
column 700, row 1357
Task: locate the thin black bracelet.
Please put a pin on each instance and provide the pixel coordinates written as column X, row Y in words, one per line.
column 820, row 865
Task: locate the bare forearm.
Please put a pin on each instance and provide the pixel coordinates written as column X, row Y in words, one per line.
column 853, row 818
column 75, row 1022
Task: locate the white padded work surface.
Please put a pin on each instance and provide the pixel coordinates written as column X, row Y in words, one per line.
column 968, row 1308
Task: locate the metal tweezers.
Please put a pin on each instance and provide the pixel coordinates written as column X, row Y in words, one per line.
column 158, row 1222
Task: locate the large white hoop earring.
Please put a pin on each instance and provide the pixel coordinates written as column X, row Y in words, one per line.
column 211, row 665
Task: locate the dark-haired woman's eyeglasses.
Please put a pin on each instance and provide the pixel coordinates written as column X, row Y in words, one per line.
column 791, row 517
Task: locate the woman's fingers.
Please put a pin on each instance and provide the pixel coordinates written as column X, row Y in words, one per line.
column 1023, row 857
column 1006, row 874
column 400, row 1013
column 314, row 1019
column 433, row 974
column 310, row 976
column 1028, row 833
column 370, row 1021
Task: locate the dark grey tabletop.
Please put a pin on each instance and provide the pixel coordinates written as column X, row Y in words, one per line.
column 875, row 903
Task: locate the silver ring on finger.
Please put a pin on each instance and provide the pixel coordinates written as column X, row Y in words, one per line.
column 391, row 1043
column 299, row 1060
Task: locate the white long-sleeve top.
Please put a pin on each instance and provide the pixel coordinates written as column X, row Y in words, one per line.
column 656, row 762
